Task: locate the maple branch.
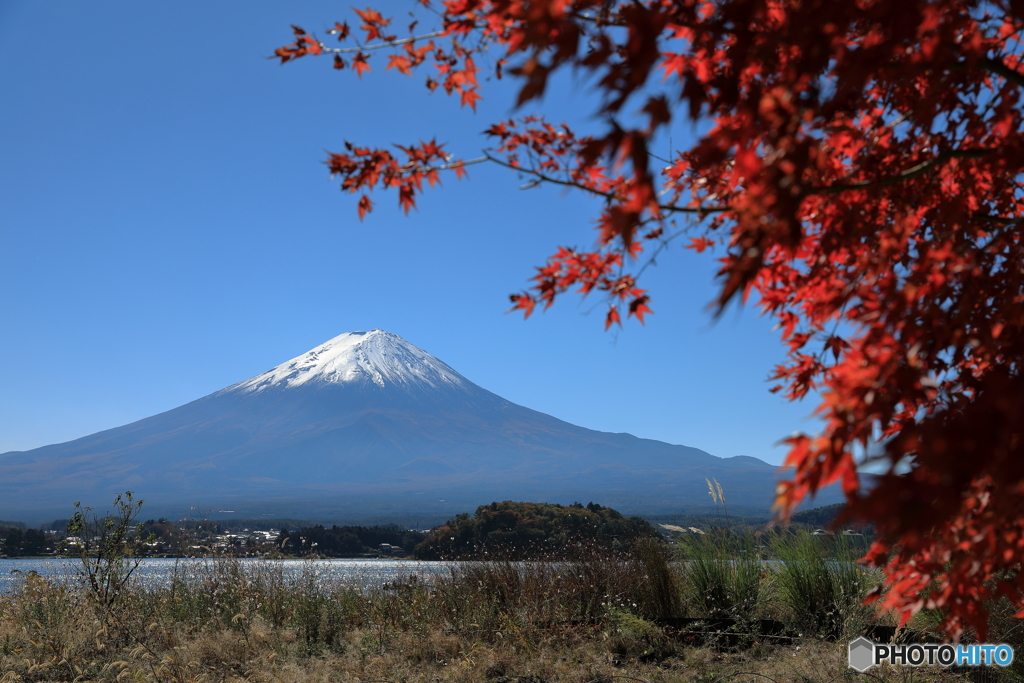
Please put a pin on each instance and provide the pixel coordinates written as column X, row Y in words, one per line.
column 599, row 21
column 1002, row 220
column 912, row 172
column 542, row 177
column 996, row 66
column 462, row 162
column 379, row 46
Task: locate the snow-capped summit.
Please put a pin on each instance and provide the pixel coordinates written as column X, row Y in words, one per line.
column 377, row 356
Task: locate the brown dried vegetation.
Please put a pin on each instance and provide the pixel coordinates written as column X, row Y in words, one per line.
column 490, row 622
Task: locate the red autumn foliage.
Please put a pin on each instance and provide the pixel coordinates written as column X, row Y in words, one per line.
column 862, row 173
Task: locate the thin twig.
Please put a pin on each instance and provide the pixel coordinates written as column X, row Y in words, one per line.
column 669, row 208
column 379, row 46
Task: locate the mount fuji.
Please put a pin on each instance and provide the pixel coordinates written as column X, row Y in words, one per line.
column 367, row 424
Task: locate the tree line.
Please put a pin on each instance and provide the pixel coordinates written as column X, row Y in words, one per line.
column 18, row 541
column 345, row 541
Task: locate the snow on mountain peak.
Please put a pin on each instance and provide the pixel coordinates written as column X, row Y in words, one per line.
column 376, row 356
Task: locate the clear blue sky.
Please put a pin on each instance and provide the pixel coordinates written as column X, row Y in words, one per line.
column 167, row 228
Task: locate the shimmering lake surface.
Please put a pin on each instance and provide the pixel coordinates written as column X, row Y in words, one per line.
column 356, row 572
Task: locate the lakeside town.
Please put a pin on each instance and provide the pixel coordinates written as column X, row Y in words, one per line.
column 191, row 538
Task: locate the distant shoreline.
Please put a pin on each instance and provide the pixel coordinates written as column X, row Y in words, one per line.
column 72, row 558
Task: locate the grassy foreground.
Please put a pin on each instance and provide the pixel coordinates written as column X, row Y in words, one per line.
column 600, row 616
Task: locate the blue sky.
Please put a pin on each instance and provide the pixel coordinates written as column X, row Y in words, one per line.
column 168, row 228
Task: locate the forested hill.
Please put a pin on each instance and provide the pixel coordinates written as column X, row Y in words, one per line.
column 818, row 517
column 527, row 530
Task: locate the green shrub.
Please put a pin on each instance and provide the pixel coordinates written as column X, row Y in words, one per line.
column 109, row 546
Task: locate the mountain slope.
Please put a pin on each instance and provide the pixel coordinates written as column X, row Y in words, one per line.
column 366, row 419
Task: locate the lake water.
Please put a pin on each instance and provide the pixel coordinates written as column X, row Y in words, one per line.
column 356, row 572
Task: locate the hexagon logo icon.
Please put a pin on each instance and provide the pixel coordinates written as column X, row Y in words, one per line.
column 862, row 654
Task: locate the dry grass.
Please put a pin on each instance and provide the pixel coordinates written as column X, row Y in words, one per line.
column 494, row 622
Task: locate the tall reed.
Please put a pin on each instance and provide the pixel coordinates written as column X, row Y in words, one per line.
column 821, row 582
column 722, row 573
column 578, row 587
